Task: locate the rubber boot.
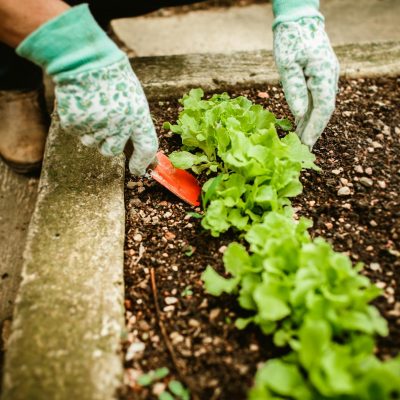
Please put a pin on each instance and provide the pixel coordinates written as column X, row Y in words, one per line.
column 23, row 130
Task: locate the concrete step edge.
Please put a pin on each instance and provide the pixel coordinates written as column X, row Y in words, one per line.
column 170, row 76
column 68, row 318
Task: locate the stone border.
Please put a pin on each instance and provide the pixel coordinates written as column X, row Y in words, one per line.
column 171, row 76
column 68, row 318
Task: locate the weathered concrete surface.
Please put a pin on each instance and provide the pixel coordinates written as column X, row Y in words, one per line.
column 173, row 75
column 69, row 312
column 17, row 201
column 249, row 28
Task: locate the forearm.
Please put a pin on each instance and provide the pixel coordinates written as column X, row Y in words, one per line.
column 18, row 20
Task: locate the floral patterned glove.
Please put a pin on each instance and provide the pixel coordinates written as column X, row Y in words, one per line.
column 106, row 107
column 99, row 98
column 307, row 65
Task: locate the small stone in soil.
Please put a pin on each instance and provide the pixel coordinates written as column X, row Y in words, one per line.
column 367, row 182
column 344, row 191
column 170, row 236
column 375, row 266
column 133, row 349
column 171, row 300
column 382, row 184
column 359, row 169
column 138, row 237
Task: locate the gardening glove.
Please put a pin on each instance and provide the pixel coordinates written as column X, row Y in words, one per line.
column 307, row 65
column 99, row 98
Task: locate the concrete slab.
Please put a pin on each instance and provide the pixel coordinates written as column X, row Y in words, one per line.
column 170, row 76
column 68, row 317
column 17, row 201
column 249, row 28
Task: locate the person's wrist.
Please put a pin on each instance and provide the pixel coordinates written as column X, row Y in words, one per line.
column 71, row 43
column 293, row 10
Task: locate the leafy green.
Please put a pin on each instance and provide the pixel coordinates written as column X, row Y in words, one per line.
column 311, row 299
column 152, row 376
column 258, row 171
column 178, row 390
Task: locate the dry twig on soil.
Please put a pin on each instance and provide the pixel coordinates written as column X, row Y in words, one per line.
column 179, row 366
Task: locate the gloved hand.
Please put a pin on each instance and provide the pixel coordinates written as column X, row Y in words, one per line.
column 307, row 65
column 99, row 98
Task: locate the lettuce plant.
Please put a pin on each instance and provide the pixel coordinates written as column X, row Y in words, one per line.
column 257, row 171
column 311, row 299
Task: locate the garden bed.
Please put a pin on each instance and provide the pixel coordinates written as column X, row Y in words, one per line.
column 166, row 250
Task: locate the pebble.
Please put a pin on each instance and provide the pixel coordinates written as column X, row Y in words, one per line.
column 380, row 284
column 167, row 214
column 169, row 308
column 222, row 249
column 373, row 223
column 344, row 191
column 131, row 185
column 386, row 130
column 141, row 189
column 135, row 202
column 311, row 203
column 207, row 340
column 194, row 323
column 133, row 349
column 367, row 182
column 254, row 347
column 158, row 388
column 344, row 181
column 143, row 325
column 375, row 267
column 214, row 313
column 376, row 145
column 138, row 237
column 329, row 225
column 347, row 206
column 368, row 171
column 336, row 171
column 170, row 300
column 359, row 169
column 176, row 337
column 396, row 310
column 204, row 304
column 382, row 184
column 263, row 95
column 170, row 236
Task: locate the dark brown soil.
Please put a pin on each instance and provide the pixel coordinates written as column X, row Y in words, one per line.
column 207, row 352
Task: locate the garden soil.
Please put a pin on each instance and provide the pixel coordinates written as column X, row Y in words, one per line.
column 354, row 203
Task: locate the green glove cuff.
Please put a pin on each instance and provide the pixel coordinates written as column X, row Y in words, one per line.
column 292, row 10
column 71, row 42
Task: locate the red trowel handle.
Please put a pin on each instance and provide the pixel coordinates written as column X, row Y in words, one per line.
column 178, row 181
